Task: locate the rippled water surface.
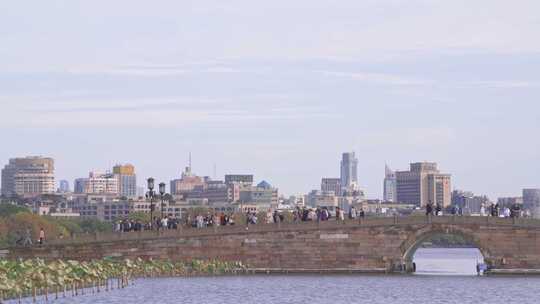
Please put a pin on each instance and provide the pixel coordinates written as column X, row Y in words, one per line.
column 448, row 286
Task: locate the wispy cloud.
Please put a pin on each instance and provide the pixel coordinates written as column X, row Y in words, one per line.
column 405, row 80
column 158, row 70
column 165, row 112
column 497, row 84
column 127, row 105
column 379, row 78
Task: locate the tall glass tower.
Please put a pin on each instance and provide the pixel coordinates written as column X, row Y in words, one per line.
column 390, row 185
column 349, row 170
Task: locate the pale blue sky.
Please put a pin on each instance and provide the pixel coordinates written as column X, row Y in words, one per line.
column 276, row 88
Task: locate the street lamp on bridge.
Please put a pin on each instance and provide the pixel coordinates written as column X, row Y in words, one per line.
column 151, row 195
column 162, row 194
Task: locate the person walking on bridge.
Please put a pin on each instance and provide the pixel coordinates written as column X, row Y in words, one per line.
column 429, row 209
column 515, row 211
column 339, row 214
column 41, row 236
column 352, row 213
column 362, row 213
column 270, row 218
column 27, row 237
column 506, row 212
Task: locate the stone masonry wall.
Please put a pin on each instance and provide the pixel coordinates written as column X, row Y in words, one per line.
column 366, row 247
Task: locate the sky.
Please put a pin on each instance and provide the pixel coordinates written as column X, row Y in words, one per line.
column 278, row 89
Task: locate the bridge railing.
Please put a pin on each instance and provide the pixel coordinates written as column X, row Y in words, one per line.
column 183, row 231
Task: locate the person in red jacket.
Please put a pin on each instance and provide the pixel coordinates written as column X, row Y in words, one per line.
column 41, row 236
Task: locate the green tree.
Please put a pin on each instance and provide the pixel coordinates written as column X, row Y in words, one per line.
column 94, row 225
column 139, row 216
column 9, row 209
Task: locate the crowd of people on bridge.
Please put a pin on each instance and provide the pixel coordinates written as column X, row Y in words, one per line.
column 299, row 214
column 208, row 219
column 172, row 223
column 497, row 211
column 494, row 210
column 324, row 214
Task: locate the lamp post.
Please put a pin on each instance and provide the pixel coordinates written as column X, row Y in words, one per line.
column 151, row 194
column 162, row 194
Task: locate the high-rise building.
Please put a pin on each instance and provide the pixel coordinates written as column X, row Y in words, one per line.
column 331, row 184
column 531, row 201
column 215, row 192
column 28, row 176
column 127, row 180
column 186, row 183
column 79, row 185
column 63, row 186
column 349, row 171
column 423, row 184
column 241, row 179
column 98, row 183
column 390, row 184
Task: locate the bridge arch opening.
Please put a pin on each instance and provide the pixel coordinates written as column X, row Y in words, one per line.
column 444, row 253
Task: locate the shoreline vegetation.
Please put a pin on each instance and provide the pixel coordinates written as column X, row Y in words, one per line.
column 52, row 280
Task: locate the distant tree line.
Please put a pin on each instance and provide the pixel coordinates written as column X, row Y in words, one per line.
column 447, row 241
column 16, row 220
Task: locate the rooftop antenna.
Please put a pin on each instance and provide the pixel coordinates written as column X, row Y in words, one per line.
column 190, row 161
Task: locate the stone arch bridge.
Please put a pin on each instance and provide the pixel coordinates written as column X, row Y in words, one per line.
column 365, row 245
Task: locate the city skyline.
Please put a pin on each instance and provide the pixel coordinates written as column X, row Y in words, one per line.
column 222, row 177
column 448, row 81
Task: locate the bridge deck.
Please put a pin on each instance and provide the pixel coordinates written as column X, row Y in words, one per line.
column 184, row 232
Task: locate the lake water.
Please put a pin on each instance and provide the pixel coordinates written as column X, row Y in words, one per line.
column 447, row 261
column 444, row 276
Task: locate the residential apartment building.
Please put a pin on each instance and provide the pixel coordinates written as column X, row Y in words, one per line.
column 127, row 180
column 98, row 183
column 423, row 184
column 216, row 192
column 108, row 210
column 331, row 184
column 28, row 177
